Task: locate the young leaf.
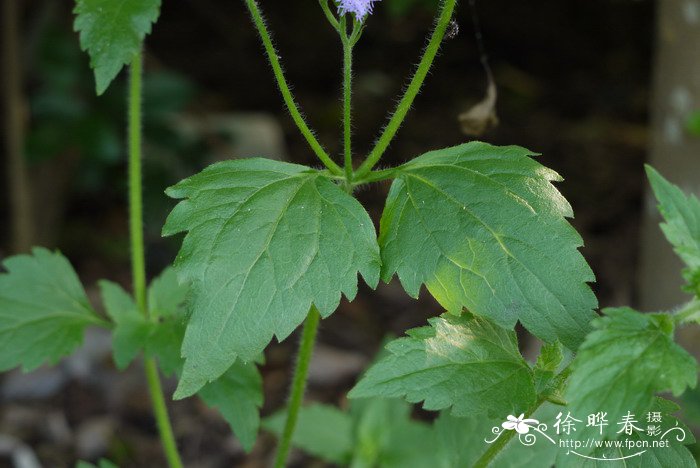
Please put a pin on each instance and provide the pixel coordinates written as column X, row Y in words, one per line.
column 322, row 430
column 546, row 367
column 237, row 394
column 464, row 362
column 682, row 226
column 385, row 436
column 43, row 310
column 111, row 32
column 483, row 228
column 265, row 240
column 625, row 362
column 131, row 329
column 160, row 334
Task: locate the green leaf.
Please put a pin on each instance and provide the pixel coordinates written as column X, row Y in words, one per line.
column 682, row 226
column 102, row 463
column 238, row 396
column 43, row 310
column 676, row 454
column 385, row 435
column 545, row 370
column 166, row 301
column 483, row 228
column 322, row 430
column 265, row 240
column 112, row 33
column 466, row 363
column 160, row 334
column 131, row 329
column 625, row 362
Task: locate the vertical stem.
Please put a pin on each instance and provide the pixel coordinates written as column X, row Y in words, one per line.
column 306, row 347
column 138, row 261
column 284, row 89
column 18, row 180
column 160, row 410
column 411, row 91
column 347, row 110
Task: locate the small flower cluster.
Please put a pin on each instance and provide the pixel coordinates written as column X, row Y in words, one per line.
column 360, row 8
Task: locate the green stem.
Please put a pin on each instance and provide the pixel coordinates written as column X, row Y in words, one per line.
column 411, row 91
column 138, row 262
column 329, row 15
column 306, row 347
column 138, row 258
column 160, row 410
column 689, row 312
column 494, row 449
column 284, row 89
column 347, row 103
column 376, row 176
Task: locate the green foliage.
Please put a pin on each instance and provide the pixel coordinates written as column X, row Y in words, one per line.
column 693, row 123
column 466, row 363
column 548, row 382
column 483, row 228
column 676, row 454
column 322, row 430
column 237, row 394
column 682, row 226
column 375, row 433
column 43, row 310
column 265, row 240
column 102, row 463
column 625, row 362
column 112, row 33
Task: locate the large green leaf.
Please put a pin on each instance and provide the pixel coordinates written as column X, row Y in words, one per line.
column 483, row 228
column 625, row 362
column 682, row 226
column 265, row 240
column 466, row 363
column 112, row 33
column 43, row 310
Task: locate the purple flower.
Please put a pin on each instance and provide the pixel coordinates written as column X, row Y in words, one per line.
column 360, row 8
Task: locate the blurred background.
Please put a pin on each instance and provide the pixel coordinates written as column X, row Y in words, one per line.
column 598, row 87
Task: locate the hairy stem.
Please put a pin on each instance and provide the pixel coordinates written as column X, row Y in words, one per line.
column 347, row 104
column 494, row 449
column 306, row 347
column 689, row 312
column 138, row 261
column 412, row 90
column 329, row 15
column 284, row 89
column 160, row 410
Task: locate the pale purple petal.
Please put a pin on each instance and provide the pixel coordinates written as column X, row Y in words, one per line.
column 360, row 8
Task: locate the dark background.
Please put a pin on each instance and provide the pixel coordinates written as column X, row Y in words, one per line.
column 574, row 82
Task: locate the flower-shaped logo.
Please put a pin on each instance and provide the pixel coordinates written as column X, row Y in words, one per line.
column 521, row 425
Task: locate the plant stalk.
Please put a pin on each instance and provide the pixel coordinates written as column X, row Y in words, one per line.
column 411, row 91
column 138, row 258
column 306, row 347
column 284, row 89
column 347, row 105
column 494, row 449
